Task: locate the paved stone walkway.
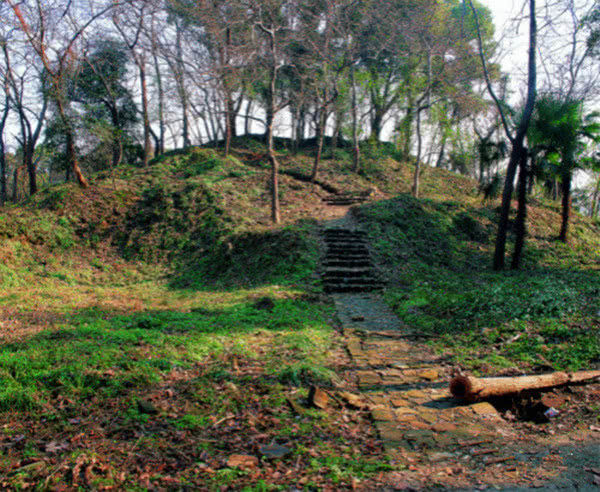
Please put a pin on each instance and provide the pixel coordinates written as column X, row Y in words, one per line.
column 441, row 441
column 435, row 440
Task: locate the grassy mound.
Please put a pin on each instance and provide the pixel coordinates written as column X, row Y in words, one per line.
column 437, row 255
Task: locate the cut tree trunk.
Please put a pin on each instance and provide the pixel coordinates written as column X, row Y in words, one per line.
column 473, row 389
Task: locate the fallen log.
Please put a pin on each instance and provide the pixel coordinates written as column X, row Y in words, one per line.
column 472, row 389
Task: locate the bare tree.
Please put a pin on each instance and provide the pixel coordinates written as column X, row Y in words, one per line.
column 54, row 39
column 3, row 121
column 130, row 23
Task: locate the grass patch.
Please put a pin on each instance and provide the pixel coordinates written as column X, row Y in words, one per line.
column 438, row 256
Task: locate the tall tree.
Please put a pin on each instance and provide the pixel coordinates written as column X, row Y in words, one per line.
column 560, row 129
column 515, row 132
column 100, row 87
column 273, row 25
column 130, row 22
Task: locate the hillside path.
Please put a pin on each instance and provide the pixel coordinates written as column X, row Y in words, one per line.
column 439, row 441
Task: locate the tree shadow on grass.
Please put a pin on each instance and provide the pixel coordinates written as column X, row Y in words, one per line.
column 284, row 257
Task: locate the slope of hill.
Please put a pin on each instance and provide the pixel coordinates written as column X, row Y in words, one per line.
column 160, row 307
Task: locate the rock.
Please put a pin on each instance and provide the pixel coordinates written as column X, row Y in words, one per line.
column 483, row 408
column 383, row 414
column 242, row 461
column 146, row 407
column 318, row 398
column 551, row 400
column 352, row 400
column 437, row 457
column 443, row 427
column 56, row 447
column 274, row 451
column 429, row 374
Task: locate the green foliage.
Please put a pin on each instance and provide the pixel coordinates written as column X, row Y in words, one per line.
column 471, row 227
column 303, row 374
column 341, row 155
column 344, row 467
column 172, row 219
column 284, row 257
column 443, row 286
column 39, row 228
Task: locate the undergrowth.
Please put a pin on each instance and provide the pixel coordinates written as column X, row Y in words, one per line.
column 437, row 256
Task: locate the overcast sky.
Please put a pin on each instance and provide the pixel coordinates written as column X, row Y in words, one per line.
column 514, row 43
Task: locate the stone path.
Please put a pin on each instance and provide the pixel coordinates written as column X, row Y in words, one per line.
column 439, row 440
column 423, row 428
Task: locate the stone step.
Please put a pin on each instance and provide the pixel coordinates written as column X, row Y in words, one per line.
column 347, row 247
column 352, row 270
column 342, row 203
column 351, row 288
column 344, row 200
column 347, row 264
column 349, row 273
column 335, row 233
column 349, row 196
column 344, row 253
column 333, row 280
column 346, row 242
column 337, row 230
column 370, row 280
column 361, row 258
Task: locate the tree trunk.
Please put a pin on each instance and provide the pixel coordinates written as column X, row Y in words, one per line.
column 15, row 184
column 440, row 158
column 72, row 160
column 30, row 166
column 229, row 121
column 160, row 149
column 415, row 186
column 117, row 143
column 247, row 118
column 519, row 137
column 376, row 124
column 511, row 171
column 521, row 225
column 355, row 142
column 295, row 126
column 407, row 122
column 3, row 184
column 275, row 206
column 566, row 206
column 3, row 190
column 595, row 197
column 531, row 175
column 320, row 131
column 517, row 142
column 473, row 389
column 183, row 96
column 145, row 115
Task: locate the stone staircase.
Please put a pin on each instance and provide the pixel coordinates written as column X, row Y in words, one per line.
column 347, row 266
column 347, row 199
